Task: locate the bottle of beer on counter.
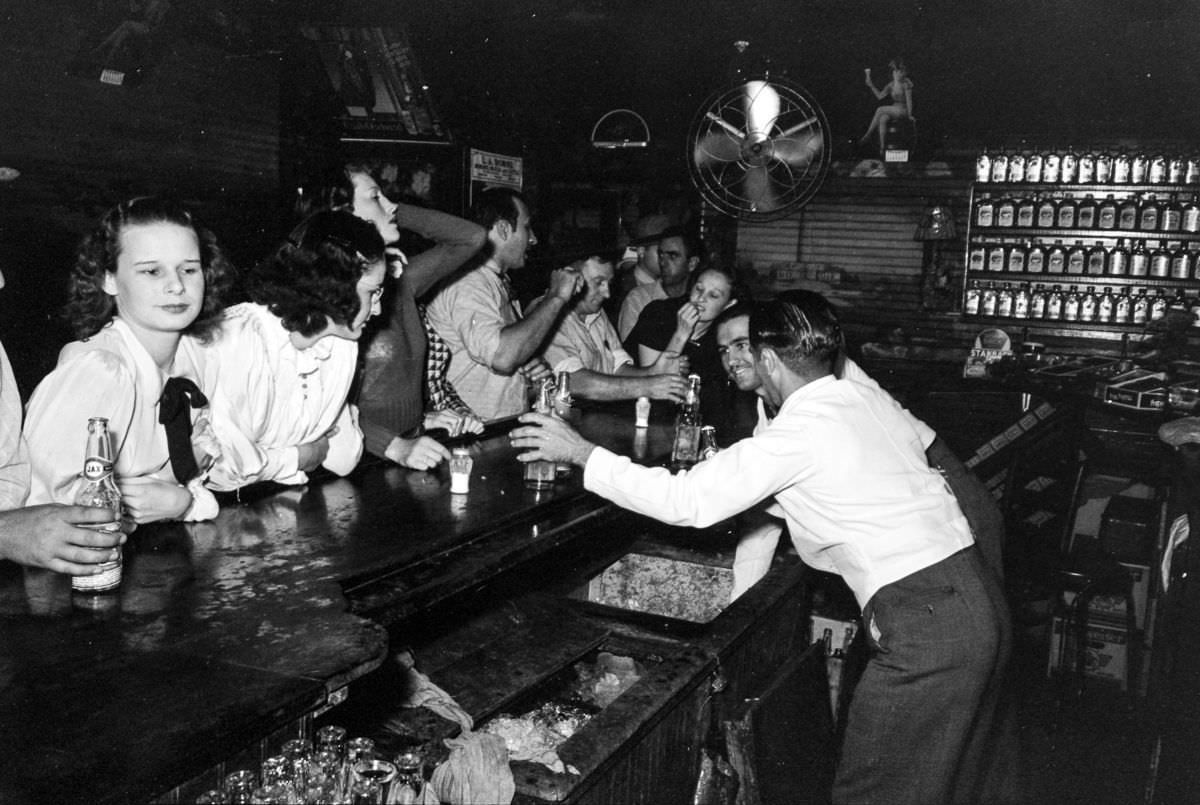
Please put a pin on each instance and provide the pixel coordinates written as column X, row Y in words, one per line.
column 100, row 491
column 685, row 451
column 541, row 474
column 562, row 395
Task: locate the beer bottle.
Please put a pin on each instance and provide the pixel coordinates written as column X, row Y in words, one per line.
column 971, row 304
column 1037, row 302
column 1118, row 259
column 1139, row 259
column 1097, row 257
column 1035, row 258
column 1077, row 258
column 541, row 474
column 99, row 490
column 1106, row 214
column 1106, row 306
column 708, row 442
column 1054, row 304
column 1056, row 258
column 686, row 449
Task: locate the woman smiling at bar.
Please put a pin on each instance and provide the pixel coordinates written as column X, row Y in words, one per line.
column 145, row 291
column 281, row 368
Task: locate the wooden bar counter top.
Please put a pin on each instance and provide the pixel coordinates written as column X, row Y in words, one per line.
column 224, row 632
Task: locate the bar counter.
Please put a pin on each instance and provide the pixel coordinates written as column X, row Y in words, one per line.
column 229, row 631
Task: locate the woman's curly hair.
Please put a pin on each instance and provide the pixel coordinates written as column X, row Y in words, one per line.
column 89, row 308
column 312, row 278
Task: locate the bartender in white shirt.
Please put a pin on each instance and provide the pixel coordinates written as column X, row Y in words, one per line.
column 847, row 468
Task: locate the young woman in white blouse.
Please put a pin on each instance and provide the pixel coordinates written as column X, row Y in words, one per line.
column 145, row 291
column 279, row 371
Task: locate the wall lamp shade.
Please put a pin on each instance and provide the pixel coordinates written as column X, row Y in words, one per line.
column 620, row 128
column 937, row 223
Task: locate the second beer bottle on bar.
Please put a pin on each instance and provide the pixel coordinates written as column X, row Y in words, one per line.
column 685, row 451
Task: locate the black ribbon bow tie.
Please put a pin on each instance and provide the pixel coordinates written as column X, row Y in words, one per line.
column 179, row 396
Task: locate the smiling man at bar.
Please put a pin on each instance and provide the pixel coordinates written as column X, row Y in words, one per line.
column 846, row 467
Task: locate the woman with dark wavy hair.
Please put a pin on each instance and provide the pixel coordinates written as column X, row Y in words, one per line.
column 146, row 289
column 281, row 367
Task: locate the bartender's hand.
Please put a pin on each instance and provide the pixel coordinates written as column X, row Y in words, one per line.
column 421, row 453
column 548, row 438
column 65, row 539
column 666, row 387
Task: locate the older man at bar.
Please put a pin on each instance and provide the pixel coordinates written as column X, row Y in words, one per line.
column 585, row 345
column 847, row 468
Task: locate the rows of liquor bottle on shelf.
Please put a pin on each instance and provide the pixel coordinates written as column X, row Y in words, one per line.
column 1122, row 211
column 1078, row 303
column 1166, row 260
column 1088, row 166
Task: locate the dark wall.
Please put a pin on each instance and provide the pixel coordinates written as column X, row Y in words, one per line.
column 203, row 124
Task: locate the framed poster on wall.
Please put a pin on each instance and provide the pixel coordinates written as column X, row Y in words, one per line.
column 382, row 95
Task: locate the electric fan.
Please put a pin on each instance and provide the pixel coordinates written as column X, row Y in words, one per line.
column 759, row 148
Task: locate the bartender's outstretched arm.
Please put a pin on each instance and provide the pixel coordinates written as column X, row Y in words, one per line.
column 548, row 438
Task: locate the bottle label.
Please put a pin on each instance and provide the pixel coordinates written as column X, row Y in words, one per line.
column 1066, row 216
column 1086, row 217
column 971, row 305
column 1004, row 216
column 1096, row 263
column 1191, row 219
column 1025, row 215
column 1107, row 218
column 985, row 214
column 1035, row 263
column 1128, row 217
column 1045, row 217
column 1016, row 260
column 1033, row 168
column 108, row 578
column 983, row 168
column 996, row 258
column 1075, row 262
column 1057, row 262
column 1139, row 264
column 95, row 469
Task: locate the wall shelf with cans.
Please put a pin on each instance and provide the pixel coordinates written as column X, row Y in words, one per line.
column 1106, row 258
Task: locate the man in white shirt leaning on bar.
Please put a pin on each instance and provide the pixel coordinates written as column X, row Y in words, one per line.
column 847, row 468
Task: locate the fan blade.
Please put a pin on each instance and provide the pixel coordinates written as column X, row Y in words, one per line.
column 762, row 108
column 759, row 190
column 798, row 151
column 716, row 146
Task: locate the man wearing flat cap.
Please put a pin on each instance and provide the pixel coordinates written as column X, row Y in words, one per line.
column 677, row 256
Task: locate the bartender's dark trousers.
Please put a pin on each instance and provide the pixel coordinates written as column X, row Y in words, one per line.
column 924, row 726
